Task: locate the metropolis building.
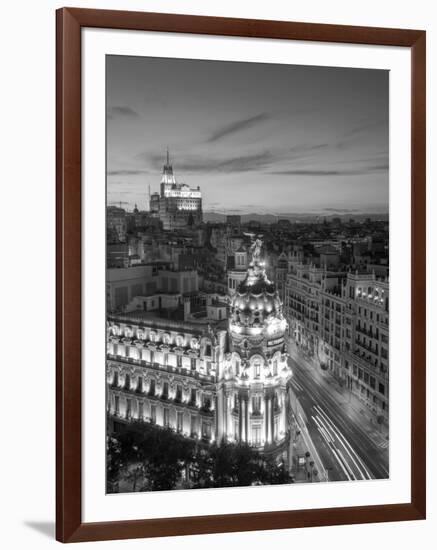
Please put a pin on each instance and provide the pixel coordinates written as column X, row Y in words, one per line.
column 212, row 381
column 178, row 205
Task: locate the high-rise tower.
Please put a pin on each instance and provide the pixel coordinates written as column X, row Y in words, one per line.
column 179, row 205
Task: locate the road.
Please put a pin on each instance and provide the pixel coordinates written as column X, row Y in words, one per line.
column 348, row 446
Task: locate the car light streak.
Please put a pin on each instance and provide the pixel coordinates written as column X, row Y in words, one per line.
column 334, row 450
column 352, row 453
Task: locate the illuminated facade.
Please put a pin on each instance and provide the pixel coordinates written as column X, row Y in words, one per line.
column 252, row 391
column 215, row 380
column 178, row 205
column 342, row 319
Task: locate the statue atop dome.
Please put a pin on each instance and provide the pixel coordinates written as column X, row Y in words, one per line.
column 256, row 250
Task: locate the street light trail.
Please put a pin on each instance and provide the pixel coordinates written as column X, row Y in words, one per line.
column 333, row 449
column 367, row 457
column 349, row 449
column 323, row 431
column 347, row 466
column 296, row 384
column 334, row 434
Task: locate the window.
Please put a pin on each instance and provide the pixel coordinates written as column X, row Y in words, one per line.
column 381, row 388
column 178, row 396
column 127, row 382
column 153, row 413
column 206, row 430
column 257, row 368
column 275, row 403
column 140, row 410
column 115, row 379
column 179, row 360
column 256, row 435
column 193, row 363
column 256, row 404
column 165, row 390
column 166, row 417
column 206, row 402
column 193, row 426
column 152, row 388
column 237, row 366
column 180, row 422
column 117, row 404
column 372, row 382
column 128, row 408
column 208, row 350
column 140, row 384
column 193, row 396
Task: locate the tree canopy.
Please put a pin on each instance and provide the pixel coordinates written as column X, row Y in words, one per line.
column 152, row 458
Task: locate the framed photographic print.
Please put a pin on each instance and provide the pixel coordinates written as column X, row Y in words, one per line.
column 240, row 275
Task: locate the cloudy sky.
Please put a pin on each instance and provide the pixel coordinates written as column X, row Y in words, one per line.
column 257, row 138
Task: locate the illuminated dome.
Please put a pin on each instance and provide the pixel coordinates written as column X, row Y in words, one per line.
column 256, row 307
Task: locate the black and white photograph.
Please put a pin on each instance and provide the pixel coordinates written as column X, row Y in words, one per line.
column 247, row 274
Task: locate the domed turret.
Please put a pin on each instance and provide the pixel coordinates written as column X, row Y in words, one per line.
column 256, row 309
column 253, row 390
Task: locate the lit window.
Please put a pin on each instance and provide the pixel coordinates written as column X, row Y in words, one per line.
column 256, row 435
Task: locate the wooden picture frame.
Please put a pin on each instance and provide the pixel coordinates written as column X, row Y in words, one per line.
column 69, row 524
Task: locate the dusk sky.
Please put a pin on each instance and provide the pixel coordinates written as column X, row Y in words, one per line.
column 256, row 138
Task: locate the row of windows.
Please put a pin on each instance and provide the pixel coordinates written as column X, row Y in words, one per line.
column 140, row 388
column 365, row 392
column 205, row 426
column 368, row 379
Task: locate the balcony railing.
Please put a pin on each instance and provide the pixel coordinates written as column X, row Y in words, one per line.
column 158, row 367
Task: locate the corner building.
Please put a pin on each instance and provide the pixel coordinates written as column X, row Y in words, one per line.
column 211, row 381
column 252, row 388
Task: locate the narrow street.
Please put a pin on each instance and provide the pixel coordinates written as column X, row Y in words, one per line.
column 349, row 445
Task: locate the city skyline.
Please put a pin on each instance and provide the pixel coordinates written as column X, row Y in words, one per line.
column 256, row 125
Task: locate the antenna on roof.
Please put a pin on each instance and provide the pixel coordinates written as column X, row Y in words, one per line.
column 168, row 157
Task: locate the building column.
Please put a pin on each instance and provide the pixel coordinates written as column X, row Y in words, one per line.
column 230, row 426
column 284, row 412
column 225, row 413
column 240, row 419
column 243, row 419
column 246, row 399
column 266, row 418
column 219, row 414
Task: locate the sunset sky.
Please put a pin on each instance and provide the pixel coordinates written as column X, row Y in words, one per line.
column 256, row 138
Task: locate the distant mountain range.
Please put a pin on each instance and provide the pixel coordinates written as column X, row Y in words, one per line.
column 215, row 217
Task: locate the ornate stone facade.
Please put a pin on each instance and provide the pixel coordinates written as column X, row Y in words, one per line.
column 217, row 381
